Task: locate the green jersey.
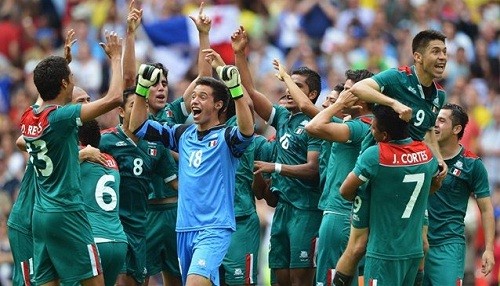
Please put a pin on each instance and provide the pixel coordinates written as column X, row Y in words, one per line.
column 400, row 174
column 264, row 150
column 22, row 210
column 137, row 163
column 51, row 136
column 403, row 85
column 292, row 148
column 175, row 112
column 342, row 160
column 466, row 175
column 163, row 175
column 244, row 202
column 100, row 190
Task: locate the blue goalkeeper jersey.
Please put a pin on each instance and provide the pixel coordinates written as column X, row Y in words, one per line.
column 207, row 170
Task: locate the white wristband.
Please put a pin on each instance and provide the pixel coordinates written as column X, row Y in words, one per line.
column 277, row 167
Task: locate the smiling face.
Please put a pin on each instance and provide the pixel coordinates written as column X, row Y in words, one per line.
column 205, row 109
column 444, row 128
column 431, row 61
column 158, row 95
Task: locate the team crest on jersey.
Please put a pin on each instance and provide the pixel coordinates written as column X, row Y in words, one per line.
column 456, row 172
column 459, row 164
column 169, row 113
column 212, row 143
column 152, row 152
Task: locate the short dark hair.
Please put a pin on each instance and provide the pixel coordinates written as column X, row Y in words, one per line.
column 422, row 39
column 313, row 80
column 126, row 93
column 358, row 75
column 163, row 69
column 48, row 75
column 338, row 87
column 388, row 121
column 89, row 134
column 220, row 90
column 458, row 117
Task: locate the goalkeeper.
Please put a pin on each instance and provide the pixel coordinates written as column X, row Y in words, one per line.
column 208, row 158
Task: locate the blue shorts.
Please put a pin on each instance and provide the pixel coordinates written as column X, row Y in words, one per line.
column 201, row 252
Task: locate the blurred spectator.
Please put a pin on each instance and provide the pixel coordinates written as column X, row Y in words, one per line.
column 87, row 70
column 6, row 259
column 288, row 26
column 490, row 147
column 8, row 182
column 354, row 13
column 456, row 39
column 316, row 17
column 10, row 37
column 457, row 66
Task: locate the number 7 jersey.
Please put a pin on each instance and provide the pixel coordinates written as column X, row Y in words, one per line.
column 399, row 175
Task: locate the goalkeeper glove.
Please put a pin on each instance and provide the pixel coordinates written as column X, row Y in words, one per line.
column 148, row 76
column 231, row 77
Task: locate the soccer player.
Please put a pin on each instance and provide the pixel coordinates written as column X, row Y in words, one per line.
column 50, row 133
column 138, row 161
column 297, row 218
column 100, row 189
column 208, row 157
column 347, row 137
column 400, row 172
column 404, row 89
column 445, row 260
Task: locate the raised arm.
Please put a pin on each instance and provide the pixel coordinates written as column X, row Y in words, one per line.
column 262, row 105
column 321, row 126
column 114, row 96
column 304, row 103
column 68, row 43
column 148, row 76
column 369, row 91
column 129, row 61
column 203, row 24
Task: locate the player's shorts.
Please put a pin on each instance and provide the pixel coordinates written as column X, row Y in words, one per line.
column 391, row 272
column 201, row 252
column 112, row 258
column 293, row 237
column 135, row 262
column 360, row 214
column 21, row 245
column 445, row 264
column 332, row 241
column 63, row 247
column 240, row 263
column 161, row 240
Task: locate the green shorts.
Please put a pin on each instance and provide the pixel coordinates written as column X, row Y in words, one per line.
column 112, row 258
column 161, row 240
column 21, row 245
column 63, row 247
column 293, row 237
column 332, row 241
column 135, row 262
column 445, row 264
column 240, row 263
column 391, row 272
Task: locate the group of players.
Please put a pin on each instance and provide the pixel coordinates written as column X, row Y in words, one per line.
column 353, row 180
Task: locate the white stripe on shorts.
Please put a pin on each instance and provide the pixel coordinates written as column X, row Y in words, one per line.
column 94, row 259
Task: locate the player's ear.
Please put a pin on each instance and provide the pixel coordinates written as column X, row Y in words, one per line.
column 218, row 105
column 457, row 129
column 417, row 57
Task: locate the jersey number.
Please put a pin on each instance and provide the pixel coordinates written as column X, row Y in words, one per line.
column 101, row 189
column 419, row 117
column 137, row 166
column 419, row 179
column 285, row 141
column 41, row 155
column 195, row 159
